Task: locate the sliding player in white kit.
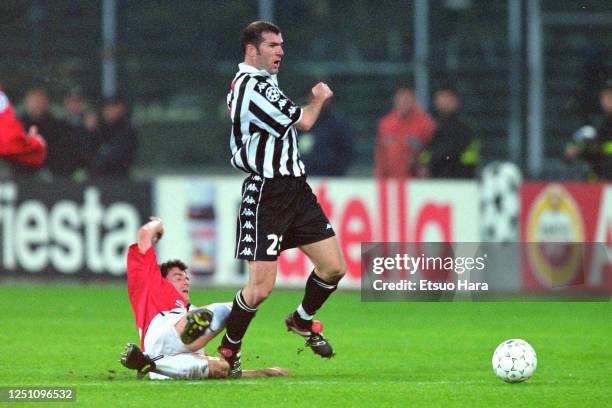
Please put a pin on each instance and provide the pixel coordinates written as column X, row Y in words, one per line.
column 172, row 332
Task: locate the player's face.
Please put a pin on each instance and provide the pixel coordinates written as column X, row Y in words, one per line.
column 404, row 101
column 270, row 52
column 606, row 101
column 180, row 280
column 37, row 103
column 446, row 102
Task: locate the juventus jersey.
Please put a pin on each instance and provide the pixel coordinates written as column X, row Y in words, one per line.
column 263, row 139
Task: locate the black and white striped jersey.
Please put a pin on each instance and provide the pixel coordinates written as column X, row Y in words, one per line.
column 263, row 140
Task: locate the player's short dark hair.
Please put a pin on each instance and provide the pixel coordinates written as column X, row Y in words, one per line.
column 172, row 263
column 252, row 34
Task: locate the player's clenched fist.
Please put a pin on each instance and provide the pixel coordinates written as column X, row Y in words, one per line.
column 322, row 91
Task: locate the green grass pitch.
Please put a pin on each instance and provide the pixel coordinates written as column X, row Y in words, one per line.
column 388, row 354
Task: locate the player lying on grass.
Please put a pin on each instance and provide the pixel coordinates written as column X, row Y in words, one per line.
column 172, row 331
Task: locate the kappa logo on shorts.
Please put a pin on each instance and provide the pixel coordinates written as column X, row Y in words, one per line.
column 248, row 225
column 252, row 187
column 248, row 238
column 328, row 226
column 273, row 94
column 247, row 252
column 247, row 212
column 249, row 200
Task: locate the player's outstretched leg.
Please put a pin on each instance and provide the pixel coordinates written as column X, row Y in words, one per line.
column 330, row 268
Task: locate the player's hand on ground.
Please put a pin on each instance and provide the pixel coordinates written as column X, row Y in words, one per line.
column 322, row 91
column 277, row 372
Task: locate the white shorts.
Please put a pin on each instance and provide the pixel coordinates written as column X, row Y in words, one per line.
column 178, row 362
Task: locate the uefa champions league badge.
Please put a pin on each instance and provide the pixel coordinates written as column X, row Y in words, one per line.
column 273, row 94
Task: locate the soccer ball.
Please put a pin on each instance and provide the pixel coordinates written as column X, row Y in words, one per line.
column 514, row 361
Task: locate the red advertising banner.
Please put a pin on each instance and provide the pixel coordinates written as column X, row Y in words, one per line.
column 568, row 231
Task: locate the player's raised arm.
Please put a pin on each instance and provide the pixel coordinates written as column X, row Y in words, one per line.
column 150, row 233
column 310, row 113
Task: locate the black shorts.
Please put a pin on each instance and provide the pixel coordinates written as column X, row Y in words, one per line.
column 277, row 214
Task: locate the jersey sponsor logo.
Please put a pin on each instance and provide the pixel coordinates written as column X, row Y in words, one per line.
column 273, row 94
column 248, row 225
column 247, row 252
column 248, row 238
column 248, row 200
column 252, row 187
column 247, row 212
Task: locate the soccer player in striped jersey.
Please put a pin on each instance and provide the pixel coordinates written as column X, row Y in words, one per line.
column 279, row 209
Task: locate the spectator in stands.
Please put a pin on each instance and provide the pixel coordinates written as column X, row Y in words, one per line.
column 60, row 147
column 327, row 149
column 454, row 151
column 593, row 143
column 402, row 135
column 83, row 124
column 119, row 142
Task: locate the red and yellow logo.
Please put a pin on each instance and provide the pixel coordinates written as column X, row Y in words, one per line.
column 555, row 233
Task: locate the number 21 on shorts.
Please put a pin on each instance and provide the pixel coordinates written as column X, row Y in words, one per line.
column 275, row 245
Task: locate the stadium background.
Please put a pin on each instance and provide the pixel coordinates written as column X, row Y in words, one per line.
column 174, row 61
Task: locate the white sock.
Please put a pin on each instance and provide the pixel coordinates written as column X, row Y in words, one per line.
column 221, row 312
column 303, row 313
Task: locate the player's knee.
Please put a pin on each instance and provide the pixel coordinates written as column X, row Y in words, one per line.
column 258, row 295
column 334, row 271
column 218, row 369
column 341, row 270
